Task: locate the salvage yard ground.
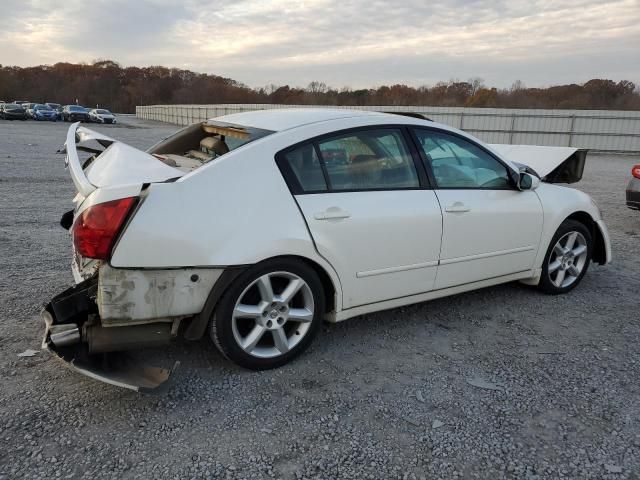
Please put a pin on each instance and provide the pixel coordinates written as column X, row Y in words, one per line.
column 500, row 383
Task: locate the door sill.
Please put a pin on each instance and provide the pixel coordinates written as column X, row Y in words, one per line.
column 431, row 295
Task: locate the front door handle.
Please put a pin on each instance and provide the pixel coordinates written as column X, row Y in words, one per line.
column 332, row 214
column 457, row 207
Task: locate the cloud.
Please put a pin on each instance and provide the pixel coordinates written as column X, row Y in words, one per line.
column 356, row 43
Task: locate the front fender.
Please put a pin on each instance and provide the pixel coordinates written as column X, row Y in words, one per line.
column 560, row 203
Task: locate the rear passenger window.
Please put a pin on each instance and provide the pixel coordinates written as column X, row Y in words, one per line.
column 368, row 160
column 306, row 168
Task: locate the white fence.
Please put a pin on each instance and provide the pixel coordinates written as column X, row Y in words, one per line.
column 600, row 130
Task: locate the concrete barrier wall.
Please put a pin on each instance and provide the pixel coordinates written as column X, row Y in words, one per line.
column 600, row 130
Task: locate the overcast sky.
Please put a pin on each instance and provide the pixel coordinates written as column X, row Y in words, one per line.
column 356, row 43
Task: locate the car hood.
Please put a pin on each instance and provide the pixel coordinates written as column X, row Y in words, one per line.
column 552, row 164
column 115, row 163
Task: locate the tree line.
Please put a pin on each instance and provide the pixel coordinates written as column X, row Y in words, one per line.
column 105, row 83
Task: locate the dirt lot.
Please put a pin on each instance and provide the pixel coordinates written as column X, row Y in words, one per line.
column 389, row 395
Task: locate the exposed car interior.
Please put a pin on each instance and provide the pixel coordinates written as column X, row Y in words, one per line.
column 202, row 143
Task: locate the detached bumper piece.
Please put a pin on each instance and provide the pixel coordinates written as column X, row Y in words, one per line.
column 74, row 334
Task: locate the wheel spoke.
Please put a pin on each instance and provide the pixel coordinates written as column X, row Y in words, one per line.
column 558, row 250
column 579, row 250
column 571, row 241
column 264, row 286
column 250, row 341
column 246, row 311
column 303, row 315
column 573, row 271
column 559, row 278
column 554, row 266
column 293, row 287
column 280, row 340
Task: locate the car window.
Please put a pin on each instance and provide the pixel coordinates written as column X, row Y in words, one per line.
column 306, row 167
column 368, row 159
column 458, row 163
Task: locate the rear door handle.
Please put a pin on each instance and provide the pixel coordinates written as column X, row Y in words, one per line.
column 457, row 207
column 331, row 214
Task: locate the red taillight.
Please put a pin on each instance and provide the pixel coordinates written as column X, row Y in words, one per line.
column 635, row 171
column 96, row 229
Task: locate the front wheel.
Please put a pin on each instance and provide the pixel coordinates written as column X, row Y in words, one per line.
column 269, row 315
column 567, row 258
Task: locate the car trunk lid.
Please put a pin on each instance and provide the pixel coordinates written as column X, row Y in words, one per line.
column 113, row 162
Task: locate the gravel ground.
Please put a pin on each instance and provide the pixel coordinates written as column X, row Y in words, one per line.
column 500, row 383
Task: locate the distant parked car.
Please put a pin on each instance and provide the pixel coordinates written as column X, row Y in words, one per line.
column 12, row 111
column 57, row 108
column 633, row 189
column 101, row 115
column 44, row 112
column 75, row 113
column 20, row 102
column 28, row 107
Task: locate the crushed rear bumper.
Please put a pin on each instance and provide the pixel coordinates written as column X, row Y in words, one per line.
column 71, row 320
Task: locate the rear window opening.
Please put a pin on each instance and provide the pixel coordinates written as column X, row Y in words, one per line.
column 201, row 143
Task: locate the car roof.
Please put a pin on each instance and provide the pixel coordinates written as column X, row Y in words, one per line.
column 280, row 119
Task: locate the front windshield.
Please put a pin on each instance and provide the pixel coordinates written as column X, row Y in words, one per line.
column 42, row 107
column 103, row 112
column 76, row 109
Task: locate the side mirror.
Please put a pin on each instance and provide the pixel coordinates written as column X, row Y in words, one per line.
column 528, row 181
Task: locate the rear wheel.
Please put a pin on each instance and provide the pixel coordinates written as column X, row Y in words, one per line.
column 269, row 315
column 567, row 258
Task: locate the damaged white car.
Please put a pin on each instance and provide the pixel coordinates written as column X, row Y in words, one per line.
column 255, row 227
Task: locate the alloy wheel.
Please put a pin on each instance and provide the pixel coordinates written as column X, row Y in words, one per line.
column 273, row 314
column 568, row 259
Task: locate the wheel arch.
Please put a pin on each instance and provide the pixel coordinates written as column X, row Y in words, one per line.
column 198, row 325
column 599, row 246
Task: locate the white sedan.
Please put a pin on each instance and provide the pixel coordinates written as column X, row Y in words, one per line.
column 255, row 227
column 101, row 115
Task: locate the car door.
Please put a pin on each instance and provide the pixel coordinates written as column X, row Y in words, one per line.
column 490, row 228
column 363, row 194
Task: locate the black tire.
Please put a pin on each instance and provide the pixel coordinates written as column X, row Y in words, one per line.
column 568, row 226
column 221, row 323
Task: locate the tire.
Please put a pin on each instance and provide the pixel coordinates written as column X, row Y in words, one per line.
column 567, row 259
column 248, row 329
